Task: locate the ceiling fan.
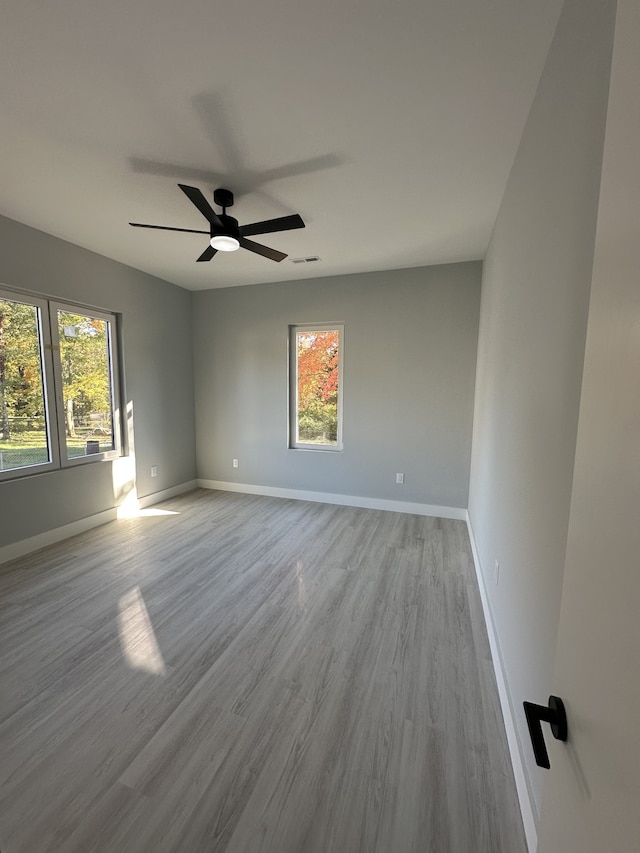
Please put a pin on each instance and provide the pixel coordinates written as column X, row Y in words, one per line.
column 225, row 233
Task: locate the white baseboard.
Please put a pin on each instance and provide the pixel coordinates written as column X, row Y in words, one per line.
column 165, row 494
column 340, row 500
column 527, row 806
column 50, row 537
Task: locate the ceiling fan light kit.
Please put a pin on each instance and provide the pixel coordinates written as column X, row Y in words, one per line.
column 225, row 233
column 224, row 243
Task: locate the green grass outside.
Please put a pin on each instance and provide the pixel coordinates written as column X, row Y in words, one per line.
column 30, row 448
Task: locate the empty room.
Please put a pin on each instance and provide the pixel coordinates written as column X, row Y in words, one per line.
column 319, row 469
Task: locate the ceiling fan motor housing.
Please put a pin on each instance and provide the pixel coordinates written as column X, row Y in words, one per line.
column 230, row 226
column 223, row 198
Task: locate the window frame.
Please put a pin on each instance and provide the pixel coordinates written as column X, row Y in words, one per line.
column 112, row 351
column 53, row 398
column 293, row 442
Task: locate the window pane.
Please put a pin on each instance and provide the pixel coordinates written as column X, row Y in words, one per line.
column 318, row 361
column 86, row 384
column 24, row 439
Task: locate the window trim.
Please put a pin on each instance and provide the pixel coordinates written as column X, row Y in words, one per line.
column 49, row 346
column 293, row 443
column 114, row 373
column 46, row 366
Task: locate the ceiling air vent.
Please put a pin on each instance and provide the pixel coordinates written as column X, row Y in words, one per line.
column 308, row 260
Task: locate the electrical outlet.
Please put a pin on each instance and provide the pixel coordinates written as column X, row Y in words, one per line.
column 235, row 463
column 154, row 470
column 400, row 479
column 496, row 572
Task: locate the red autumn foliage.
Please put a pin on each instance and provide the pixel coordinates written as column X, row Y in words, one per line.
column 318, row 355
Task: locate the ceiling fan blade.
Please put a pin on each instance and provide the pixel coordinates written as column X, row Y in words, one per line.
column 259, row 249
column 282, row 223
column 166, row 228
column 195, row 196
column 208, row 253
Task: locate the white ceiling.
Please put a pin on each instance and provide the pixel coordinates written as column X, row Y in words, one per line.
column 389, row 126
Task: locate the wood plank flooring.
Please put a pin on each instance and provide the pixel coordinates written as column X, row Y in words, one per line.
column 244, row 674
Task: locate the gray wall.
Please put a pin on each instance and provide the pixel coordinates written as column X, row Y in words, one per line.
column 535, row 294
column 591, row 797
column 159, row 379
column 409, row 371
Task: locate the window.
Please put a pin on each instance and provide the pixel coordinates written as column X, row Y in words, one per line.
column 58, row 385
column 316, row 359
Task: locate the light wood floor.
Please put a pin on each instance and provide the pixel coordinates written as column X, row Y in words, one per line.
column 251, row 674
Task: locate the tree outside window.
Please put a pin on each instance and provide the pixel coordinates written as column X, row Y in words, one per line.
column 86, row 385
column 316, row 386
column 57, row 385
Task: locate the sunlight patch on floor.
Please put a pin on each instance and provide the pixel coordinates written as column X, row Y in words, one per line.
column 137, row 638
column 135, row 512
column 302, row 586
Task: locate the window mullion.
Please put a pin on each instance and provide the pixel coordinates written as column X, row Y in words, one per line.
column 57, row 400
column 50, row 383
